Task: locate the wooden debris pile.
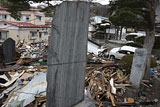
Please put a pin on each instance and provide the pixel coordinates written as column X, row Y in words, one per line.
column 92, row 58
column 23, row 82
column 106, row 83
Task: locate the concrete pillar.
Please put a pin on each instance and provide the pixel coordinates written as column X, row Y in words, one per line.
column 67, row 54
column 138, row 67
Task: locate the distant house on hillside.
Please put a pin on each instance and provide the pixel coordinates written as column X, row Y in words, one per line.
column 23, row 31
column 31, row 26
column 33, row 16
column 101, row 29
column 112, row 1
column 98, row 19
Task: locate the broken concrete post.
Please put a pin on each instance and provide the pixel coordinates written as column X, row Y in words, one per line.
column 138, row 67
column 9, row 50
column 67, row 54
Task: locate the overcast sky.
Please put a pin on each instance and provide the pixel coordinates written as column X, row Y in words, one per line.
column 103, row 2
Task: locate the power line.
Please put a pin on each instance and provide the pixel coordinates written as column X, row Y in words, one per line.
column 66, row 63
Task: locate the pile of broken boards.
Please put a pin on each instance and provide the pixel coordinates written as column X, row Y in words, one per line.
column 107, row 86
column 23, row 82
column 92, row 58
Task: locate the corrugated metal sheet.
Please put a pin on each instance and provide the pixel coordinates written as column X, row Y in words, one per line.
column 24, row 96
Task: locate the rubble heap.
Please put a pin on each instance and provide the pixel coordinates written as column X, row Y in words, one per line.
column 23, row 82
column 106, row 83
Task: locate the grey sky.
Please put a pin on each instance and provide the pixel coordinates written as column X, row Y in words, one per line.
column 103, row 2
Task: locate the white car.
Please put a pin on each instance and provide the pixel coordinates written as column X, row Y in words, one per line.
column 118, row 53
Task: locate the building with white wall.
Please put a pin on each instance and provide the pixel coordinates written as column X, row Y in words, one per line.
column 23, row 31
column 31, row 26
column 33, row 16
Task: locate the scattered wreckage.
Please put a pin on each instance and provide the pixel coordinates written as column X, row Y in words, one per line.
column 23, row 82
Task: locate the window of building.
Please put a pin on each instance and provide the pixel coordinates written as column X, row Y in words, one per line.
column 0, row 36
column 38, row 18
column 3, row 35
column 25, row 18
column 45, row 33
column 3, row 17
column 34, row 34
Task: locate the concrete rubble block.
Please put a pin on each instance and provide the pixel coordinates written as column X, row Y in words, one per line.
column 138, row 67
column 67, row 54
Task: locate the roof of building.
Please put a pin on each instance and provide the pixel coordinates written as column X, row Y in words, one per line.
column 24, row 24
column 3, row 9
column 32, row 9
